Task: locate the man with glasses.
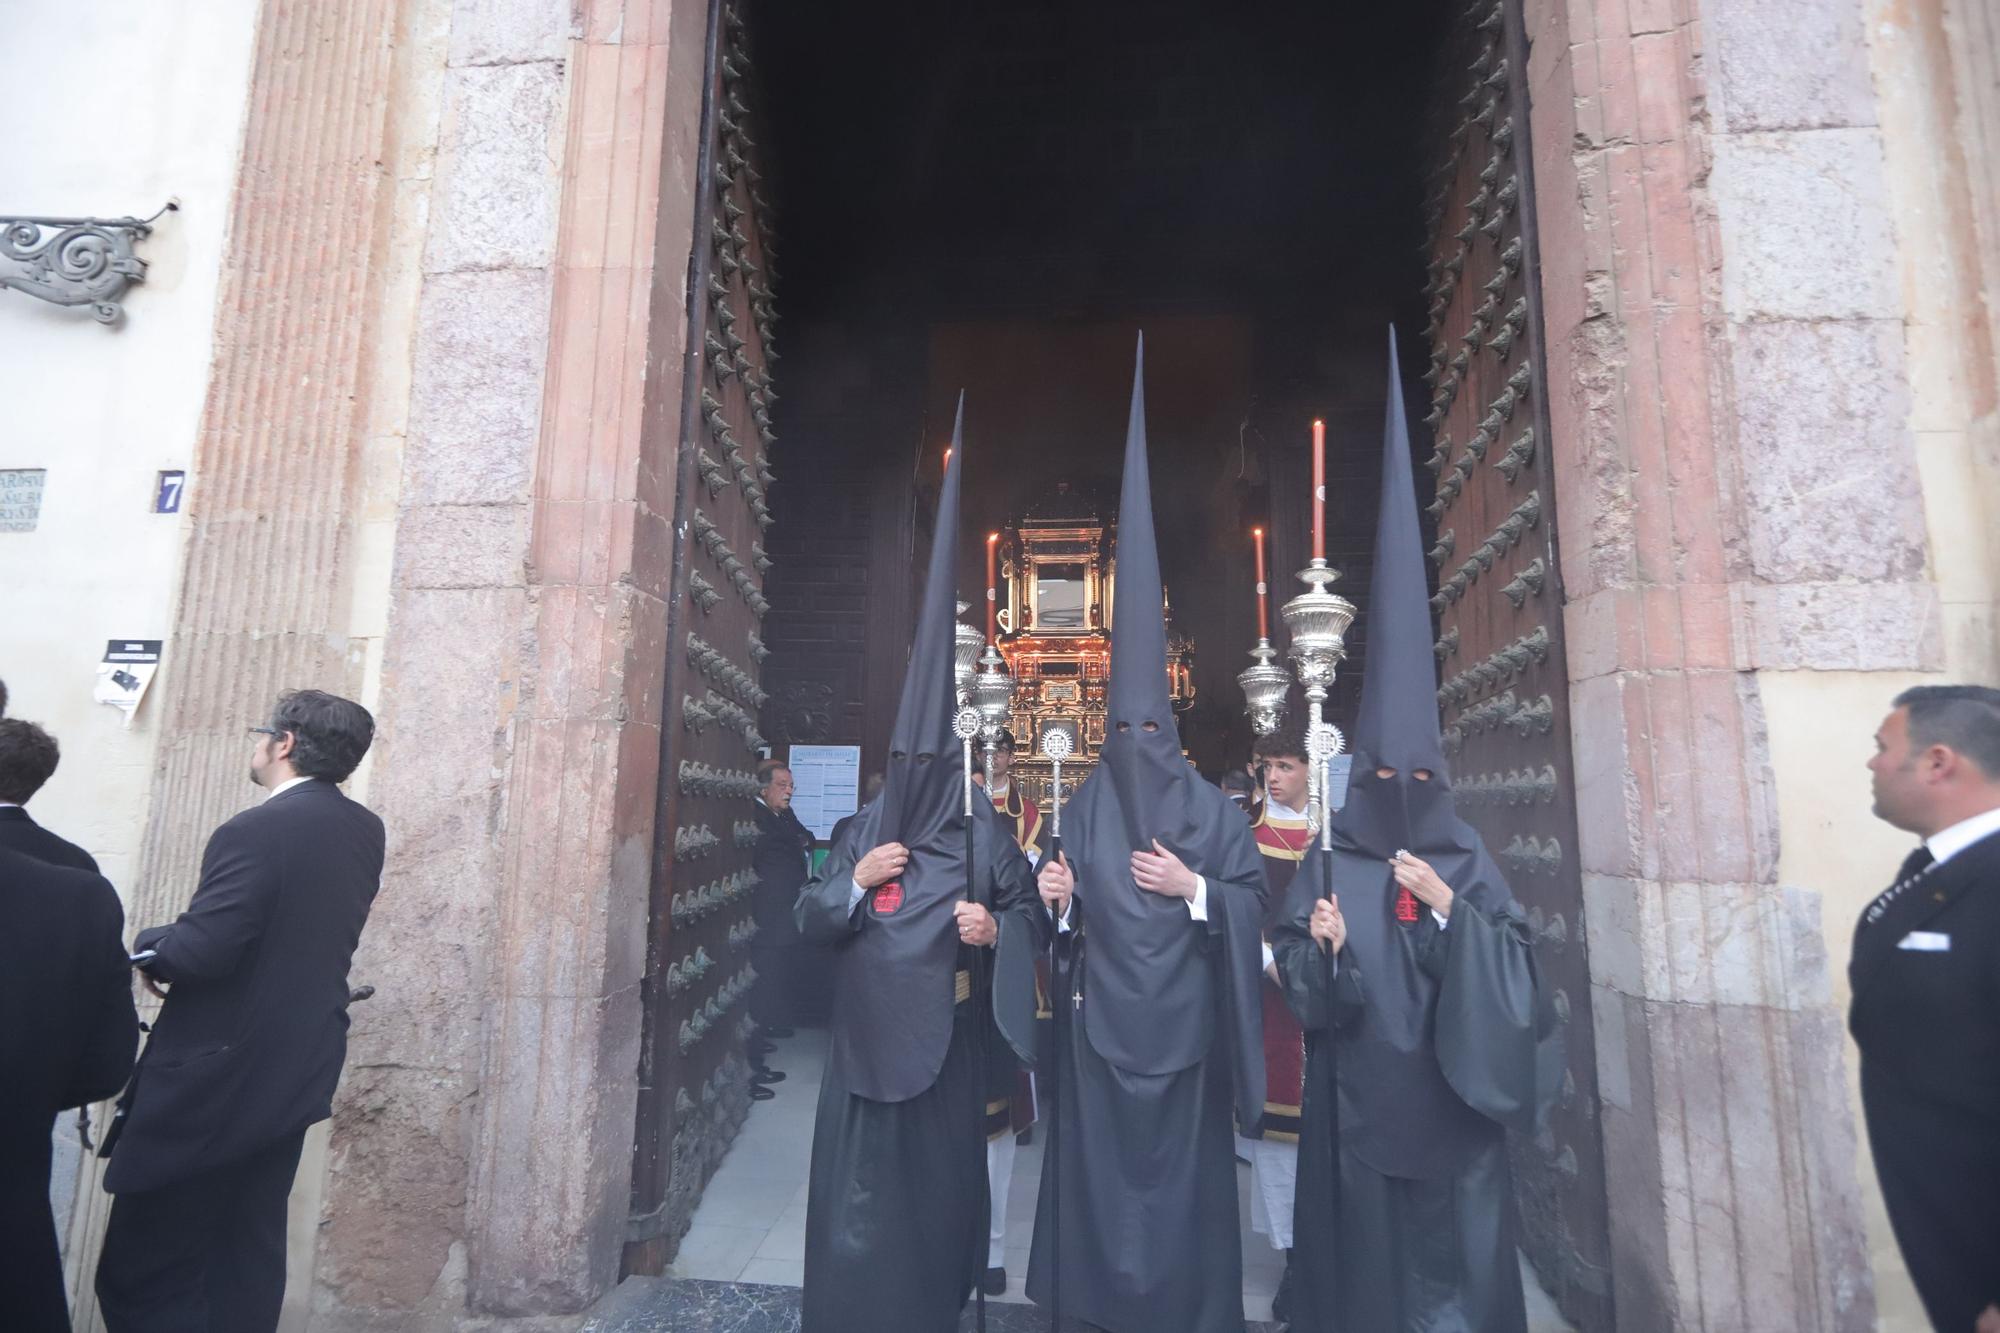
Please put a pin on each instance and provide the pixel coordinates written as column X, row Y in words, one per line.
column 247, row 1049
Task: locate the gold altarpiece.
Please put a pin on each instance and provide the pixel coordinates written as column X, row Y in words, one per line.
column 1057, row 581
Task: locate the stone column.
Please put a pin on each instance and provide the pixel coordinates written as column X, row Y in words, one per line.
column 280, row 547
column 1738, row 499
column 483, row 1140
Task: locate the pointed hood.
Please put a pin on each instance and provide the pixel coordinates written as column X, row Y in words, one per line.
column 1141, row 754
column 1397, row 724
column 922, row 792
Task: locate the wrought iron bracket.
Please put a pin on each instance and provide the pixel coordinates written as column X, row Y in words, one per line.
column 75, row 261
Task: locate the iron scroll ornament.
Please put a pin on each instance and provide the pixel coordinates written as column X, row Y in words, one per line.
column 75, row 261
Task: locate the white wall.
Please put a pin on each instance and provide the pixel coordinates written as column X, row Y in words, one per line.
column 114, row 107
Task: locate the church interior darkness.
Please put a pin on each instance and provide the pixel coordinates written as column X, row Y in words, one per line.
column 997, row 198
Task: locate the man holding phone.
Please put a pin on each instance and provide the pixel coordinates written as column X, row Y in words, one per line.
column 249, row 1045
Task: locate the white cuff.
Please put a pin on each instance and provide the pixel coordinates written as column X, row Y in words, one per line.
column 855, row 894
column 1198, row 905
column 1062, row 922
column 1440, row 920
column 1269, row 957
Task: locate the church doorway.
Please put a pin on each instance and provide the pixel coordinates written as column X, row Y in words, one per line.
column 906, row 201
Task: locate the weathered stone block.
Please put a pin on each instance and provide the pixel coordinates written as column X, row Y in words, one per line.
column 476, row 404
column 1806, row 231
column 1842, row 626
column 461, row 546
column 1789, row 64
column 1828, row 470
column 505, row 32
column 553, row 1181
column 499, row 173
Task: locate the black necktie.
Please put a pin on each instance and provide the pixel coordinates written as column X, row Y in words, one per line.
column 1914, row 866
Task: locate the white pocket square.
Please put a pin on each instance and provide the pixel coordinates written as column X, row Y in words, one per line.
column 1926, row 941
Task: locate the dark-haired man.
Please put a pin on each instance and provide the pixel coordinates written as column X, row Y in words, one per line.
column 1279, row 827
column 1924, row 976
column 248, row 1047
column 787, row 973
column 28, row 758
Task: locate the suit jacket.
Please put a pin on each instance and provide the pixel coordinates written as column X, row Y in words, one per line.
column 20, row 833
column 249, row 1044
column 68, row 1031
column 783, row 843
column 1930, row 1018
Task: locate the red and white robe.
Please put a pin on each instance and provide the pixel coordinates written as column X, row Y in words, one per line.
column 1282, row 837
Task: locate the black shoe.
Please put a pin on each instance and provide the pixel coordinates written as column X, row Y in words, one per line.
column 995, row 1282
column 759, row 1093
column 767, row 1076
column 775, row 1031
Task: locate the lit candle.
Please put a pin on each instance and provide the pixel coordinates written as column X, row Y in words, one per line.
column 1263, row 589
column 992, row 587
column 1319, row 489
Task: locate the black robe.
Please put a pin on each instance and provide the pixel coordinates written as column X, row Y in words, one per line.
column 896, row 1217
column 1165, row 1044
column 1416, row 1065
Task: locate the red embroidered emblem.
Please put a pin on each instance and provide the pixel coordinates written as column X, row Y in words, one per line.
column 1406, row 907
column 890, row 896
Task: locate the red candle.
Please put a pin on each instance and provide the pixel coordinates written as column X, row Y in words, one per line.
column 1319, row 489
column 992, row 587
column 1263, row 589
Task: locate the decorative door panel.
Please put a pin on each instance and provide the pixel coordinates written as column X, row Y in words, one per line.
column 694, row 1077
column 1504, row 680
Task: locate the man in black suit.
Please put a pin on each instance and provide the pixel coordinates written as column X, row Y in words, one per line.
column 28, row 758
column 1925, row 977
column 248, row 1047
column 68, row 1032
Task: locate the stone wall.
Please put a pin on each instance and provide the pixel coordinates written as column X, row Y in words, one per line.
column 1724, row 373
column 482, row 1143
column 1760, row 270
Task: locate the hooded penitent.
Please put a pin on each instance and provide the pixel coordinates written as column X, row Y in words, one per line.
column 1407, row 1097
column 1153, row 1008
column 892, row 981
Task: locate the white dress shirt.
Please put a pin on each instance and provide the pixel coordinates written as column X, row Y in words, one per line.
column 286, row 786
column 1947, row 843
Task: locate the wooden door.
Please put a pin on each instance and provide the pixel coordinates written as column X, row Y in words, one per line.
column 1504, row 677
column 694, row 1077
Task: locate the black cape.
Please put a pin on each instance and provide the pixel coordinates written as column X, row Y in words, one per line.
column 1425, row 1042
column 896, row 1215
column 896, row 1223
column 1168, row 1032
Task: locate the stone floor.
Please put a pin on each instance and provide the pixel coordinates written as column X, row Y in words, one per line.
column 743, row 1258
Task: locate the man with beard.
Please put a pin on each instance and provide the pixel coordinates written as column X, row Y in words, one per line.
column 1409, row 964
column 1161, row 895
column 896, row 1212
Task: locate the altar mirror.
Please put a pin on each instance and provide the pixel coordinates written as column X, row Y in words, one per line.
column 1062, row 597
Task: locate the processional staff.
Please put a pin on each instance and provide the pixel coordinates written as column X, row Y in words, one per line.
column 1057, row 744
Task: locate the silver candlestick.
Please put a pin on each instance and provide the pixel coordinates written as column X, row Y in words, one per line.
column 992, row 696
column 1264, row 687
column 965, row 654
column 1318, row 621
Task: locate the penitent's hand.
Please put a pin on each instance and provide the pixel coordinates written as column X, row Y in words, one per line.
column 1328, row 926
column 881, row 865
column 976, row 925
column 1160, row 871
column 1415, row 874
column 1055, row 883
